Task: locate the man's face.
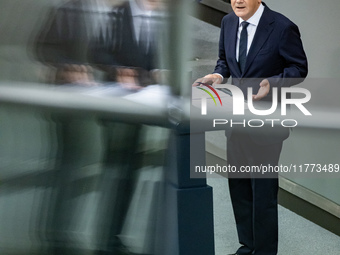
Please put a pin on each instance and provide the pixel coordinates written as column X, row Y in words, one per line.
column 245, row 8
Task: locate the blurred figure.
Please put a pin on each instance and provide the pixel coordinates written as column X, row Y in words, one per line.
column 62, row 45
column 127, row 51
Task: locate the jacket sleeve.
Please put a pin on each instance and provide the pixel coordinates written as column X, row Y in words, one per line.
column 291, row 51
column 222, row 65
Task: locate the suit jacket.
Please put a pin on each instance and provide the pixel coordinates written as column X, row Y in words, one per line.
column 119, row 47
column 276, row 54
column 65, row 37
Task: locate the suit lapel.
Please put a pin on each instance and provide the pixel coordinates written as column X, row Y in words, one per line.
column 232, row 34
column 264, row 29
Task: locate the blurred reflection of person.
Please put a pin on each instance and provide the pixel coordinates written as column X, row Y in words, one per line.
column 127, row 52
column 62, row 45
column 120, row 40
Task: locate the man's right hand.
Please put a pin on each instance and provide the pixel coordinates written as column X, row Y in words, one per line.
column 128, row 78
column 211, row 79
column 75, row 74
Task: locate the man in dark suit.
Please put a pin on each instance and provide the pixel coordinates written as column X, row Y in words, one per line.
column 261, row 49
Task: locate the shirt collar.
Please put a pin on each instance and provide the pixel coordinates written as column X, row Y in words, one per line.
column 137, row 11
column 255, row 19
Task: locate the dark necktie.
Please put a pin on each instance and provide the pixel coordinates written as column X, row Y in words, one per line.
column 144, row 34
column 242, row 54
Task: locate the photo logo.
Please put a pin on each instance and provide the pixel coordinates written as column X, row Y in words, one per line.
column 212, row 89
column 239, row 100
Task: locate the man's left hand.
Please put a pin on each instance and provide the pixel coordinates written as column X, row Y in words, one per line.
column 263, row 91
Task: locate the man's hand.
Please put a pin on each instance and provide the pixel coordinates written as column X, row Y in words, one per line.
column 211, row 79
column 76, row 74
column 128, row 78
column 263, row 91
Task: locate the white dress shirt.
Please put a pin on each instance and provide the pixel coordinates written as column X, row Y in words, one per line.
column 251, row 29
column 138, row 14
